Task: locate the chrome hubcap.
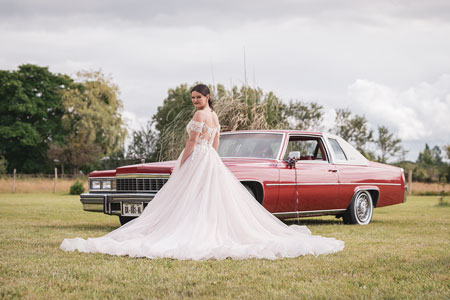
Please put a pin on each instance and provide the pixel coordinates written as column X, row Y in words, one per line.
column 363, row 207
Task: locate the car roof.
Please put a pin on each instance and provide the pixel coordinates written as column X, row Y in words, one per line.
column 276, row 131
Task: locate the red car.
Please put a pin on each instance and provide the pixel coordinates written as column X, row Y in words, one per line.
column 291, row 173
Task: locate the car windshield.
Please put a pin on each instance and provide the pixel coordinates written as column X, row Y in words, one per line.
column 260, row 145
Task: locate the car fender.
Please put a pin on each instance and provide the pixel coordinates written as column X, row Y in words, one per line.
column 372, row 189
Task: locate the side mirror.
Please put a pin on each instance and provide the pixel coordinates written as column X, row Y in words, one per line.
column 294, row 154
column 292, row 159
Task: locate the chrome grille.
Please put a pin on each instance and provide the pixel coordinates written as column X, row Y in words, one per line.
column 140, row 184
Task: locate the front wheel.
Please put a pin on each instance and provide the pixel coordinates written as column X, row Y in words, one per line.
column 360, row 209
column 124, row 220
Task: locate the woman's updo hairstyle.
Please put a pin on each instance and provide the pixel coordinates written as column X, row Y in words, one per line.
column 204, row 90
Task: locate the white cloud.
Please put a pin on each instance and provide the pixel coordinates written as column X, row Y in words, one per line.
column 218, row 14
column 306, row 50
column 419, row 113
column 133, row 122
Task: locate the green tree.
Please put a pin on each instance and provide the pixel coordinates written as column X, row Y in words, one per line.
column 31, row 111
column 353, row 129
column 176, row 110
column 429, row 164
column 143, row 143
column 237, row 108
column 447, row 150
column 93, row 119
column 178, row 101
column 3, row 165
column 241, row 108
column 447, row 165
column 388, row 144
column 304, row 115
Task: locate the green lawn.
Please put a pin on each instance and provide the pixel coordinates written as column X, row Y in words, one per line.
column 403, row 253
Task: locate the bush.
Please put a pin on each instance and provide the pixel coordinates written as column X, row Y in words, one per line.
column 76, row 188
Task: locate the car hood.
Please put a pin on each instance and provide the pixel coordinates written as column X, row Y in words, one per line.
column 168, row 166
column 165, row 167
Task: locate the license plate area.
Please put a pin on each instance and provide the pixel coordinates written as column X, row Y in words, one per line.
column 132, row 209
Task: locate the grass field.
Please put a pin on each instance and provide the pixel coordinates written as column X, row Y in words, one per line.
column 403, row 254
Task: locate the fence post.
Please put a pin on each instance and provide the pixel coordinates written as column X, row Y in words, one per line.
column 54, row 182
column 409, row 182
column 14, row 182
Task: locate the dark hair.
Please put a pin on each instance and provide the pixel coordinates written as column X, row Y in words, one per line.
column 204, row 90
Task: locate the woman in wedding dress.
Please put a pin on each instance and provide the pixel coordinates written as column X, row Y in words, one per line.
column 204, row 212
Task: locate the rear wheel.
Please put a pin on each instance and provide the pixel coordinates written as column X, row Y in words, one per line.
column 124, row 220
column 360, row 209
column 249, row 189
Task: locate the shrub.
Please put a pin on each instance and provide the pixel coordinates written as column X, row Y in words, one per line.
column 76, row 188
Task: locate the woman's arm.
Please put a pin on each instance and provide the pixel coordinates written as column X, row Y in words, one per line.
column 193, row 137
column 190, row 144
column 216, row 138
column 216, row 142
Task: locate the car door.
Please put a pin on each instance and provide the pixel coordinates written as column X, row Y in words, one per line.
column 313, row 183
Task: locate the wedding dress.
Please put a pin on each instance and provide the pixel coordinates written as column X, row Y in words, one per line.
column 204, row 212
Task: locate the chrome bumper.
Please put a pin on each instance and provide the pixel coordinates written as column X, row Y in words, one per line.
column 111, row 204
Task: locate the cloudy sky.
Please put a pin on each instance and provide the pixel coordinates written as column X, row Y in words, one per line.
column 387, row 60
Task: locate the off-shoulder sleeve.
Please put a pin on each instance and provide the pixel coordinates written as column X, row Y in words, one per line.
column 194, row 126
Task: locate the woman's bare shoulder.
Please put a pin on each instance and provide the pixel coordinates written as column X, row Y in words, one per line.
column 199, row 116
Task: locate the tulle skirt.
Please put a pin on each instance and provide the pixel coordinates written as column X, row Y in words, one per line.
column 204, row 212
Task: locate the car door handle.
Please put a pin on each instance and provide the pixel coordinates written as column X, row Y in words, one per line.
column 334, row 170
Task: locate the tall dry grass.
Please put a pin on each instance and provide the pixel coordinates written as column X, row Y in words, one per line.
column 242, row 109
column 422, row 188
column 38, row 185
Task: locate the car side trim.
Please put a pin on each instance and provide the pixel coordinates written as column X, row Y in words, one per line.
column 293, row 214
column 338, row 183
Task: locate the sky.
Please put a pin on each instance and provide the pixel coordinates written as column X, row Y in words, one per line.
column 386, row 60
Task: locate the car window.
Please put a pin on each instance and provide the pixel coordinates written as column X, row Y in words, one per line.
column 310, row 148
column 259, row 145
column 338, row 152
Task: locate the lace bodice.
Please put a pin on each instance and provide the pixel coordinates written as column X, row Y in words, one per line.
column 207, row 134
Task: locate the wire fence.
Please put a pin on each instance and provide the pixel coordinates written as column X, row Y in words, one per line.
column 39, row 183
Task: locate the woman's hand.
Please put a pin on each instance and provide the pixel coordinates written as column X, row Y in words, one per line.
column 189, row 148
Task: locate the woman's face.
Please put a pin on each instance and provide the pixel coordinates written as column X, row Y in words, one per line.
column 199, row 101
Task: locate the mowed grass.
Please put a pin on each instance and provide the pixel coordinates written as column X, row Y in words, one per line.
column 403, row 254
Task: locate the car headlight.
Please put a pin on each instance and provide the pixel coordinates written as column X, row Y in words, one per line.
column 102, row 184
column 106, row 185
column 96, row 185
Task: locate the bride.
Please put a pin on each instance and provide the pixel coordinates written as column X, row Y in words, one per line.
column 203, row 211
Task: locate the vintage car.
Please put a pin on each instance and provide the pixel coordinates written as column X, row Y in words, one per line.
column 291, row 173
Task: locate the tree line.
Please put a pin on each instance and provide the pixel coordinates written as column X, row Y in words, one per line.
column 247, row 108
column 75, row 123
column 52, row 119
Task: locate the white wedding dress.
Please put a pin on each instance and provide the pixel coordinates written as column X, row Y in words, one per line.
column 204, row 212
